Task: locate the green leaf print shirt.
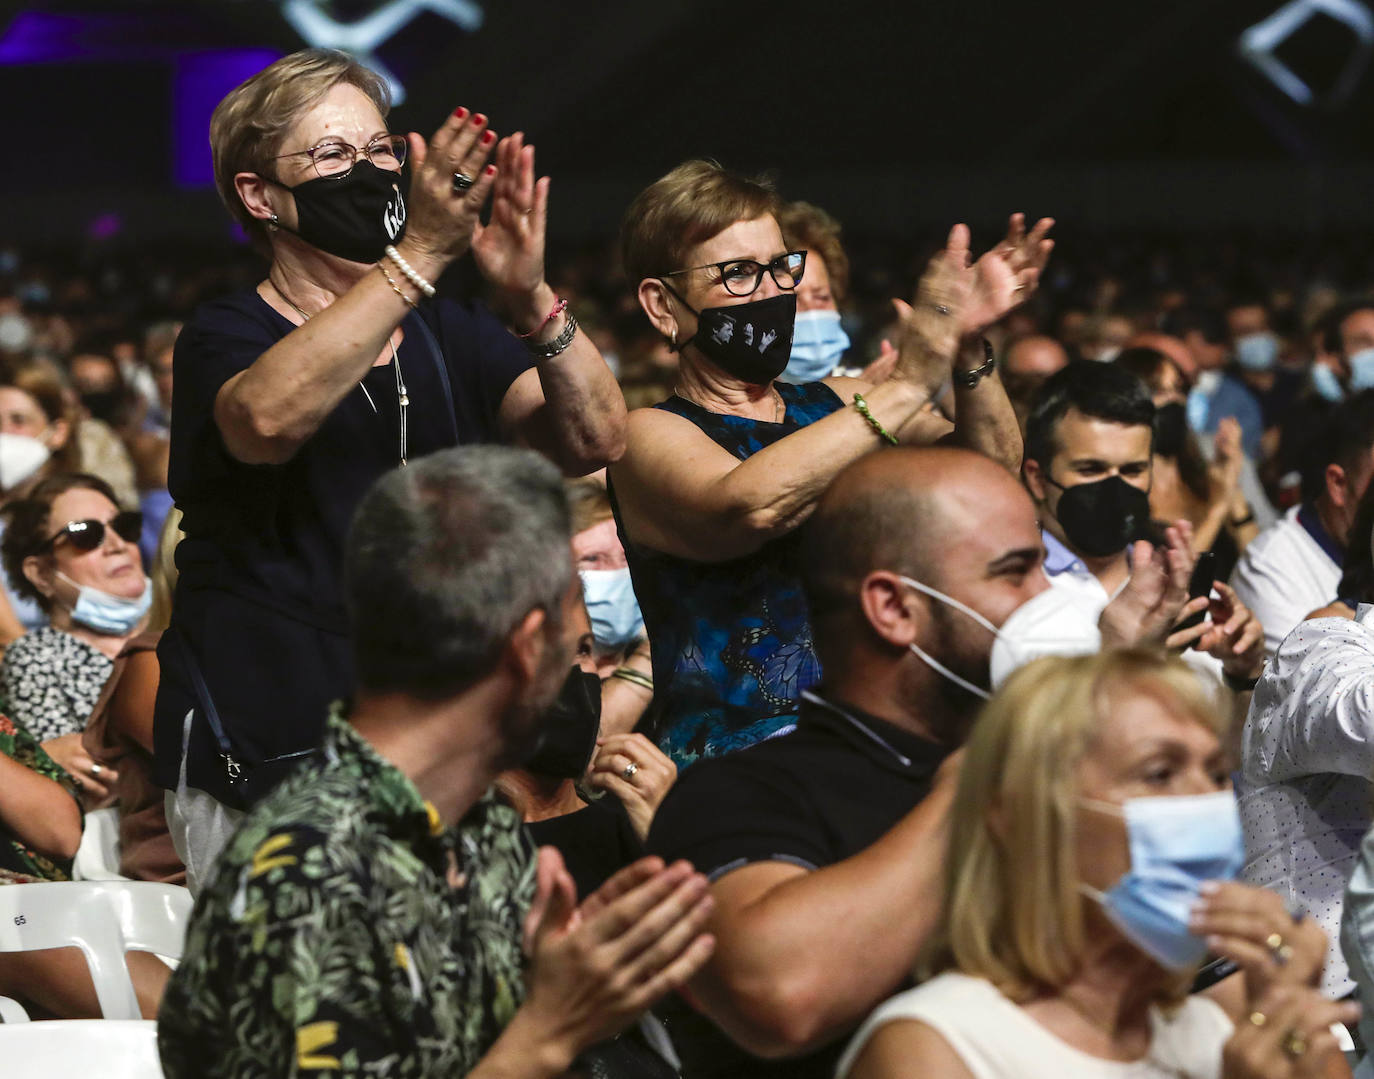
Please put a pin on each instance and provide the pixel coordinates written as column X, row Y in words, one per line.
column 347, row 933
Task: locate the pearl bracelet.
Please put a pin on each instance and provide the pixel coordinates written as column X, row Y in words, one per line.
column 405, row 268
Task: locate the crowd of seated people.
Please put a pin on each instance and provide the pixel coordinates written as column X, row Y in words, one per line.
column 722, row 651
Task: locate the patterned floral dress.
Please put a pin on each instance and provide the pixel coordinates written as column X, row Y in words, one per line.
column 18, row 744
column 731, row 640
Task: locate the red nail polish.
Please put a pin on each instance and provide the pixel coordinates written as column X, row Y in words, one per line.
column 478, row 119
column 488, row 137
column 459, row 112
column 491, row 170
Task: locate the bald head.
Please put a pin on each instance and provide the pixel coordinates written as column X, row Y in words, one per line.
column 1034, row 355
column 913, row 511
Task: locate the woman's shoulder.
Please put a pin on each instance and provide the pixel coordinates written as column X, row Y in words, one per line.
column 937, row 1014
column 242, row 313
column 47, row 644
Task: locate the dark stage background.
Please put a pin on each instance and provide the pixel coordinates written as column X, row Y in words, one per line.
column 898, row 117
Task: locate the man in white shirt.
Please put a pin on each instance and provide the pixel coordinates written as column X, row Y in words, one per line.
column 1293, row 568
column 1307, row 756
column 1088, row 467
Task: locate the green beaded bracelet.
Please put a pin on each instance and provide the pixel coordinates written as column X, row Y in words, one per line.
column 862, row 406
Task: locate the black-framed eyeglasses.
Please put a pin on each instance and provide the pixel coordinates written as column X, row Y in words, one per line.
column 88, row 534
column 742, row 277
column 335, row 159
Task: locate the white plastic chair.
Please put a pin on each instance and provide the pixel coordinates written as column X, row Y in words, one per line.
column 104, row 919
column 98, row 856
column 80, row 1048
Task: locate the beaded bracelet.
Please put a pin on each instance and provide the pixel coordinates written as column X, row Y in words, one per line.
column 862, row 406
column 634, row 677
column 558, row 309
column 395, row 287
column 411, row 276
column 559, row 344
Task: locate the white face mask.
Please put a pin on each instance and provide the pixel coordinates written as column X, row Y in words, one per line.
column 1046, row 624
column 20, row 457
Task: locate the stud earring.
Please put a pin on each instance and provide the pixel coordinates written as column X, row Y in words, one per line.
column 271, row 222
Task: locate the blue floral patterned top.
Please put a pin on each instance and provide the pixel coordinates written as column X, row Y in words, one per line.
column 731, row 641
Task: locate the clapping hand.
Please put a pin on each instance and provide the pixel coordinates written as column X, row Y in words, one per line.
column 637, row 772
column 1155, row 598
column 442, row 217
column 510, row 248
column 598, row 965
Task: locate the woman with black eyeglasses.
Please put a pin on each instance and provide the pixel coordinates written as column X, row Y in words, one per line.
column 716, row 479
column 294, row 396
column 71, row 549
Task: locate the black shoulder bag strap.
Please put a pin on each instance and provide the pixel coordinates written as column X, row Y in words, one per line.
column 249, row 781
column 232, row 767
column 432, row 344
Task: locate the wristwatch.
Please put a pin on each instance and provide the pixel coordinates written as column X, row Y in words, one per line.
column 969, row 379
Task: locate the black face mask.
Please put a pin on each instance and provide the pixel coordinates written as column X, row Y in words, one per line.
column 752, row 341
column 355, row 216
column 571, row 726
column 1103, row 518
column 104, row 405
column 1171, row 428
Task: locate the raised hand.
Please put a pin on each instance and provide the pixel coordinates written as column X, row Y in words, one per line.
column 1233, row 634
column 1155, row 598
column 643, row 789
column 593, row 972
column 510, row 249
column 1252, row 926
column 928, row 330
column 1287, row 1035
column 1006, row 276
column 440, row 218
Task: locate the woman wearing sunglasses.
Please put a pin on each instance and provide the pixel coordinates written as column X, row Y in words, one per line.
column 71, row 549
column 716, row 479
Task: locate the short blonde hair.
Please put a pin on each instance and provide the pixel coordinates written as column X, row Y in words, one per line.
column 697, row 200
column 806, row 226
column 1012, row 908
column 588, row 502
column 248, row 127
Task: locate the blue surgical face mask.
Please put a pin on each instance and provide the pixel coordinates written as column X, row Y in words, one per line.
column 1361, row 370
column 114, row 616
column 818, row 344
column 612, row 607
column 1177, row 844
column 1327, row 385
column 1257, row 351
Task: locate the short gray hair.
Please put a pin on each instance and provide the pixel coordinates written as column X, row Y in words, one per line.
column 445, row 557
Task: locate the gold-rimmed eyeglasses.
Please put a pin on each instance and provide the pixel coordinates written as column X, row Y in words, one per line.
column 335, row 159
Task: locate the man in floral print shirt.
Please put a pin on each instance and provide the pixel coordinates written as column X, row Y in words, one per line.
column 373, row 916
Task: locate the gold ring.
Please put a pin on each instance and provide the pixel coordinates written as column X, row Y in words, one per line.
column 1294, row 1044
column 1279, row 948
column 1258, row 1019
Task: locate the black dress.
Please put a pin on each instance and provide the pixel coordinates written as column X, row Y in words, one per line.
column 259, row 596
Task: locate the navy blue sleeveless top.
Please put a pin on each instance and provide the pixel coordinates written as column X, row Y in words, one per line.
column 731, row 641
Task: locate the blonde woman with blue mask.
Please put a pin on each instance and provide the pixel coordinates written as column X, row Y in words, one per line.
column 1093, row 849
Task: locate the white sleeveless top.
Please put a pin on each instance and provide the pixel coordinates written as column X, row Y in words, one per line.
column 997, row 1040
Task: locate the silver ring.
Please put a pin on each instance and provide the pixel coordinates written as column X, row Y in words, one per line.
column 461, row 182
column 630, row 770
column 96, row 769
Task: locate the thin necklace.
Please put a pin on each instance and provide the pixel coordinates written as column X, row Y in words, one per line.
column 779, row 408
column 402, row 397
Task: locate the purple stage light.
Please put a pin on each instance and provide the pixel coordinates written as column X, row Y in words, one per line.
column 199, row 82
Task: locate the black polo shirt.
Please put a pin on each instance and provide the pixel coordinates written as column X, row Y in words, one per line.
column 811, row 798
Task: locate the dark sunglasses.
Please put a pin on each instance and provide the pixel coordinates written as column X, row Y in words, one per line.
column 89, row 534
